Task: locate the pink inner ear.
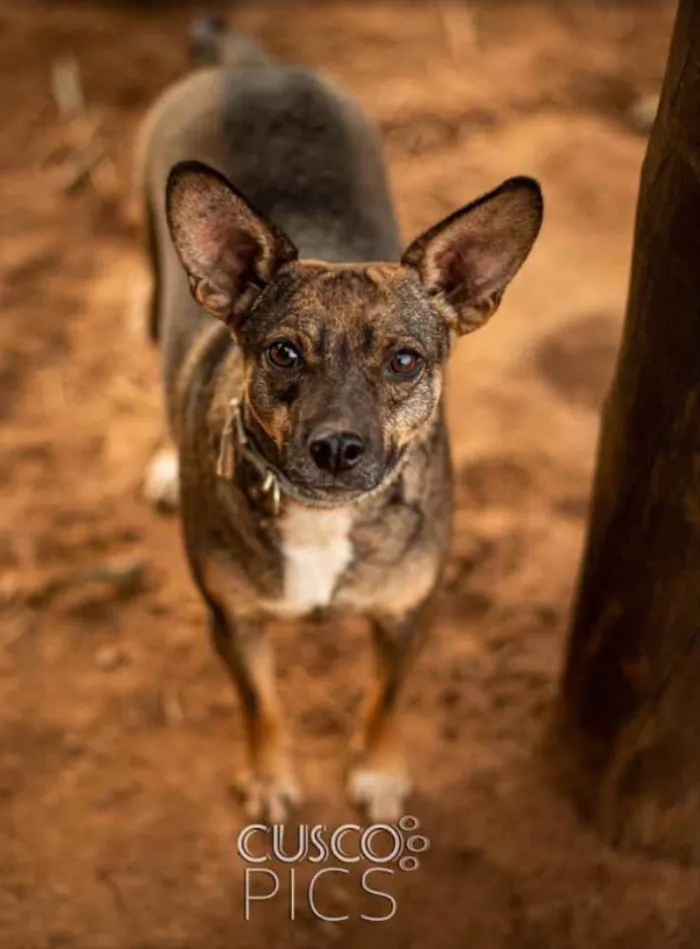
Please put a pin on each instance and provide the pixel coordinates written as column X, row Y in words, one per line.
column 468, row 267
column 455, row 273
column 234, row 252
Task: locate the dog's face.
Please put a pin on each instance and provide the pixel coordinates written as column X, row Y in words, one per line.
column 344, row 368
column 344, row 362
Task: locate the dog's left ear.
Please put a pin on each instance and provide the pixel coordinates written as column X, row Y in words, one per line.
column 467, row 260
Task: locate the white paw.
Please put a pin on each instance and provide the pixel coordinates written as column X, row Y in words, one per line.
column 270, row 797
column 381, row 793
column 161, row 483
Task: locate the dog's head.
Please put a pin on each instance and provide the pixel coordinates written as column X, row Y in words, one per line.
column 344, row 362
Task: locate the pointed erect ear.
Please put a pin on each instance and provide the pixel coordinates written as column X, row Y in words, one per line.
column 229, row 250
column 467, row 260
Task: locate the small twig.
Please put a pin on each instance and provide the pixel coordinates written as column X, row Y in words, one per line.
column 104, row 876
column 9, row 587
column 171, row 706
column 124, row 576
column 88, row 156
column 84, row 167
column 453, row 37
column 26, row 627
column 66, row 86
column 105, row 179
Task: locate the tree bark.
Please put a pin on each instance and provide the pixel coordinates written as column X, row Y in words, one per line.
column 626, row 735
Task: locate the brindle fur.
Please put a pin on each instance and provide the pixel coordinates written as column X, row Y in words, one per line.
column 305, row 156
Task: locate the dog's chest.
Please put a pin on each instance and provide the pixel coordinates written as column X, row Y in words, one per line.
column 316, row 551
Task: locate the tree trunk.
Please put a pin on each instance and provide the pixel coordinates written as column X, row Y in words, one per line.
column 627, row 729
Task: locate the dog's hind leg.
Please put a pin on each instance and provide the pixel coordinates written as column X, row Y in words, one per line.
column 161, row 481
column 378, row 780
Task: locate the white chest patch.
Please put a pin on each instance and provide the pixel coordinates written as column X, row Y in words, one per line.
column 317, row 550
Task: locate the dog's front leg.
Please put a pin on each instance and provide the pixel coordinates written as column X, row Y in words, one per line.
column 378, row 779
column 268, row 781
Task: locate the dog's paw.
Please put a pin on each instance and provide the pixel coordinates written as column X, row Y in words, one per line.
column 161, row 483
column 380, row 791
column 269, row 797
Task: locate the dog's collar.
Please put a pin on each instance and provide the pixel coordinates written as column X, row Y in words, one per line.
column 236, row 444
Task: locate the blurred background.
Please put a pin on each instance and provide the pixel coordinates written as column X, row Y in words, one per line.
column 118, row 729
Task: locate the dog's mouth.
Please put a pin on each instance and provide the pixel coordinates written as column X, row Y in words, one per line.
column 327, row 491
column 330, row 493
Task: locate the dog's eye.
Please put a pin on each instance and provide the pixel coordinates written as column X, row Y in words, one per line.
column 283, row 355
column 406, row 364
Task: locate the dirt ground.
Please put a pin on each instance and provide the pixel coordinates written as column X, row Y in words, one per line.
column 118, row 730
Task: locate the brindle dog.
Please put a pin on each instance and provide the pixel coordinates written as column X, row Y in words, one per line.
column 314, row 466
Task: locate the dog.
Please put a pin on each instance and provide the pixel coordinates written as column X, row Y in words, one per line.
column 303, row 357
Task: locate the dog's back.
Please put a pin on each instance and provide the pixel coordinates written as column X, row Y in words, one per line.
column 299, row 149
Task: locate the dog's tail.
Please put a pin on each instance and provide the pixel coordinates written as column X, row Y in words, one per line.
column 213, row 43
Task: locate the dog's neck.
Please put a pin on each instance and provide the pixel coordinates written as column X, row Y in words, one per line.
column 241, row 456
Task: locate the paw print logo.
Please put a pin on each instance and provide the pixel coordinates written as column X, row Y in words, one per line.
column 413, row 844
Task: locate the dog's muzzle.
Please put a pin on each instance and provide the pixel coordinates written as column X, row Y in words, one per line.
column 236, row 446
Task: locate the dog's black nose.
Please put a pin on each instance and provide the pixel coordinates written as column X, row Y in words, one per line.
column 336, row 451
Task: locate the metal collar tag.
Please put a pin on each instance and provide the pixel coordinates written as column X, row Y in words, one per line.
column 235, row 444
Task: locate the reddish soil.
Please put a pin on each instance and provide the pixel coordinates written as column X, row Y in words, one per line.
column 118, row 730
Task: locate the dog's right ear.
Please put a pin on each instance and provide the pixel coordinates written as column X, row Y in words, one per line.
column 229, row 250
